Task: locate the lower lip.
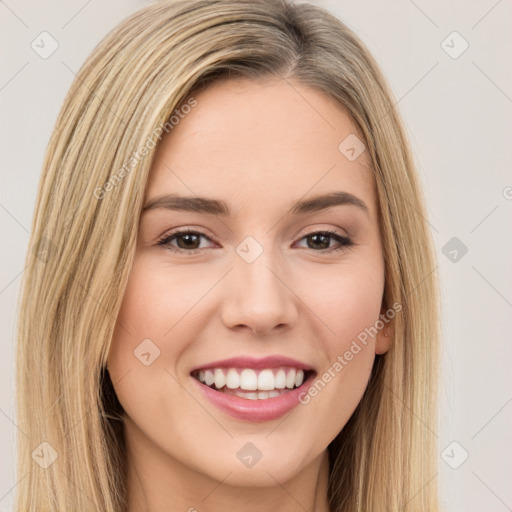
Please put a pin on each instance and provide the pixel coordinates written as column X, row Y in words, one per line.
column 255, row 410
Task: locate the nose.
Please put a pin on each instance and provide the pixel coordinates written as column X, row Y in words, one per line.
column 259, row 296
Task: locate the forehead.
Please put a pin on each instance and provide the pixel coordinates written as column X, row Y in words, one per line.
column 247, row 141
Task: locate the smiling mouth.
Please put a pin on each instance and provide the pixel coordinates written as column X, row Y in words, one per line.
column 253, row 384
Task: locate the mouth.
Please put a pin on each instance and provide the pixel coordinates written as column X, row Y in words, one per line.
column 253, row 384
column 251, row 389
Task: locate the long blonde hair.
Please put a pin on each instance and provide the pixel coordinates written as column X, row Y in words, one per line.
column 84, row 232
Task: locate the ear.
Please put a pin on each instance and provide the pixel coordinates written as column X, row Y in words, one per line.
column 385, row 334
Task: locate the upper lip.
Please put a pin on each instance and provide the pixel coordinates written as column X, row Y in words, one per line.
column 255, row 363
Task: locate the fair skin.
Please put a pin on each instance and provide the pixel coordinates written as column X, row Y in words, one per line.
column 259, row 147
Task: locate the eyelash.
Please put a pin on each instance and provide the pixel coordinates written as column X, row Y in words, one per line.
column 167, row 238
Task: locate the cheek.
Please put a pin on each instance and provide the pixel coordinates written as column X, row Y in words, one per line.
column 140, row 354
column 348, row 305
column 147, row 312
column 157, row 301
column 157, row 320
column 347, row 301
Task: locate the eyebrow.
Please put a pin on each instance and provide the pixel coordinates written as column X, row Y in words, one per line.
column 219, row 207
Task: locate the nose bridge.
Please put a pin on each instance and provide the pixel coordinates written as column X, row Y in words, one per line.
column 257, row 296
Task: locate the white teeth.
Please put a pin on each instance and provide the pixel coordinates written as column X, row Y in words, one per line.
column 290, row 379
column 209, row 379
column 220, row 378
column 266, row 380
column 248, row 380
column 255, row 395
column 266, row 383
column 232, row 379
column 280, row 379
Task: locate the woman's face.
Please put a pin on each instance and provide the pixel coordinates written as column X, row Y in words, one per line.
column 257, row 279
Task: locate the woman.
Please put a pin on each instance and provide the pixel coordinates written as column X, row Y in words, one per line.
column 230, row 299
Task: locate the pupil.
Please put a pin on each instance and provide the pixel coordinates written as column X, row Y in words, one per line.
column 189, row 242
column 324, row 245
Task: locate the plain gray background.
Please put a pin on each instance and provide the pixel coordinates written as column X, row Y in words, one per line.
column 457, row 108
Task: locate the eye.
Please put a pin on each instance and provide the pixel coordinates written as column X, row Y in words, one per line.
column 321, row 240
column 188, row 241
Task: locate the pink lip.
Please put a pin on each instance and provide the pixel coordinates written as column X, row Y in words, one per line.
column 255, row 410
column 254, row 363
